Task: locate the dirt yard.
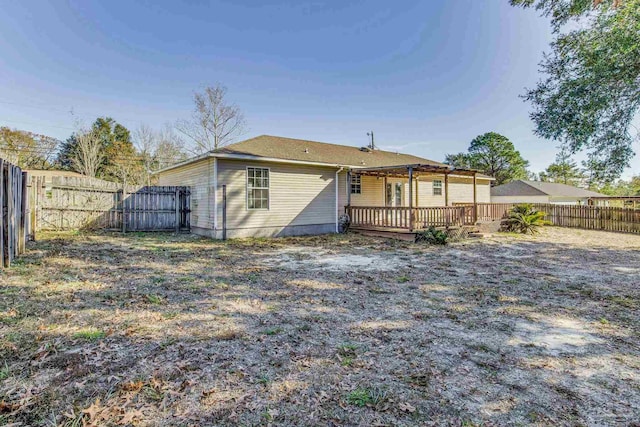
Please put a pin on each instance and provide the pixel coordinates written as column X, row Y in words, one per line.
column 159, row 330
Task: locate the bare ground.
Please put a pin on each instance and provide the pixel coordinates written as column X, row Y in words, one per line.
column 158, row 329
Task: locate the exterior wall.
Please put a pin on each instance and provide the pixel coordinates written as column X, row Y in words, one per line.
column 302, row 200
column 460, row 191
column 372, row 192
column 199, row 176
column 519, row 199
column 568, row 201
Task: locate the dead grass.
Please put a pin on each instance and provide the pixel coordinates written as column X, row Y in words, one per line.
column 159, row 330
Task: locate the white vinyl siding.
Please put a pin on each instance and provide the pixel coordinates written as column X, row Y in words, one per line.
column 372, row 192
column 199, row 177
column 520, row 199
column 298, row 195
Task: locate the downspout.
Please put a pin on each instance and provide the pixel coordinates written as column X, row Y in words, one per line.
column 337, row 193
column 215, row 194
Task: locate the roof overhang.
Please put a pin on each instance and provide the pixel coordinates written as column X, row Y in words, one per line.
column 402, row 171
column 249, row 158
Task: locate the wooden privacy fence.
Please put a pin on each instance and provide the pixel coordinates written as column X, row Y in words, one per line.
column 13, row 216
column 68, row 203
column 605, row 218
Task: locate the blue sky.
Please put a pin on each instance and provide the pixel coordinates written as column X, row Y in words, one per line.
column 425, row 76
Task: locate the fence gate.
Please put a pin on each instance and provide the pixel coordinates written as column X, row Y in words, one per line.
column 83, row 203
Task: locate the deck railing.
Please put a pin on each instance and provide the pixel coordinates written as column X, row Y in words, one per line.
column 409, row 218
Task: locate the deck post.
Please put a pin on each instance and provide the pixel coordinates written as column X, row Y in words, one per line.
column 475, row 199
column 348, row 187
column 411, row 198
column 446, row 188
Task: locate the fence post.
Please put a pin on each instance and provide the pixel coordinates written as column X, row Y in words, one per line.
column 23, row 213
column 224, row 212
column 177, row 201
column 3, row 221
column 124, row 209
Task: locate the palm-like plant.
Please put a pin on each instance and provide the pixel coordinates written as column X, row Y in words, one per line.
column 524, row 219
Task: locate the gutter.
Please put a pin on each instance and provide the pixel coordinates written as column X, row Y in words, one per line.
column 248, row 157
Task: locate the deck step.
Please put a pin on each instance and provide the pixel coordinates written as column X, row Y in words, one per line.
column 479, row 235
column 409, row 237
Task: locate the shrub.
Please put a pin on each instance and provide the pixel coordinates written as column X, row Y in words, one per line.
column 524, row 219
column 432, row 236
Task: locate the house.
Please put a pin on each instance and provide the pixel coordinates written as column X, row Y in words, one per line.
column 521, row 191
column 275, row 186
column 50, row 173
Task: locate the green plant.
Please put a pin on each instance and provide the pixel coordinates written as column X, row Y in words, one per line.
column 432, row 236
column 154, row 299
column 524, row 219
column 366, row 396
column 4, row 372
column 89, row 334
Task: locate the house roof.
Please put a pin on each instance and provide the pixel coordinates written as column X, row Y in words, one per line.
column 321, row 152
column 52, row 172
column 301, row 151
column 538, row 188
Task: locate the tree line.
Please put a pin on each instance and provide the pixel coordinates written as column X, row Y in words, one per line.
column 109, row 150
column 495, row 155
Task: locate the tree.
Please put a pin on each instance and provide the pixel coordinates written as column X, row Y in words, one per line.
column 563, row 170
column 157, row 150
column 214, row 123
column 86, row 156
column 27, row 149
column 589, row 97
column 119, row 160
column 494, row 155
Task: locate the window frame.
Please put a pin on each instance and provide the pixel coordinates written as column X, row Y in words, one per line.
column 438, row 187
column 357, row 185
column 268, row 187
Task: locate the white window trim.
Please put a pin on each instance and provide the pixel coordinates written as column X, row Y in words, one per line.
column 440, row 187
column 351, row 184
column 246, row 189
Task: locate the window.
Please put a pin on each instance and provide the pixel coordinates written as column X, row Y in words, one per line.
column 437, row 187
column 399, row 188
column 356, row 184
column 257, row 188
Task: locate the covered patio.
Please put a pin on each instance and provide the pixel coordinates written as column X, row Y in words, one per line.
column 412, row 217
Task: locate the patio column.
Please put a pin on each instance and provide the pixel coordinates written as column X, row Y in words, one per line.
column 410, row 198
column 348, row 189
column 475, row 199
column 446, row 188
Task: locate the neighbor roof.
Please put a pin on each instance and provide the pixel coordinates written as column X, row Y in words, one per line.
column 311, row 151
column 538, row 188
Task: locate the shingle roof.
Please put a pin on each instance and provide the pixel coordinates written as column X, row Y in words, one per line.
column 311, row 151
column 538, row 188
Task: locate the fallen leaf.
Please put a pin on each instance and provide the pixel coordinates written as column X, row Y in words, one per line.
column 406, row 407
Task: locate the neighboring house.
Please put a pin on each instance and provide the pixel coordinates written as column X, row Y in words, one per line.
column 541, row 192
column 50, row 173
column 281, row 186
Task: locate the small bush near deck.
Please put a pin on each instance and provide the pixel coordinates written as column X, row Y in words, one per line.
column 524, row 219
column 432, row 236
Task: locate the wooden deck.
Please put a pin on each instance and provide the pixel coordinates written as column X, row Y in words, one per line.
column 405, row 219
